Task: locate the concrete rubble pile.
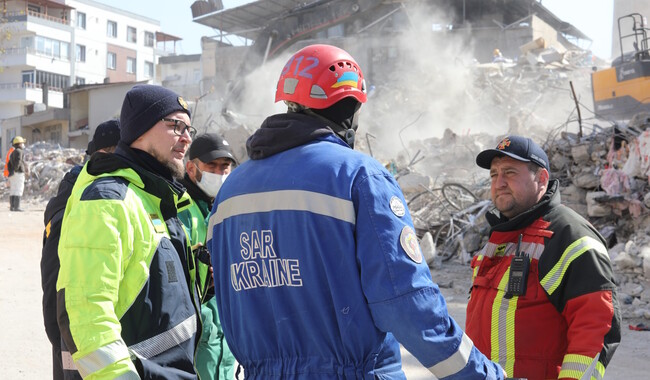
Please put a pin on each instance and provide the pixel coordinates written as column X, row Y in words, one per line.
column 47, row 164
column 527, row 88
column 605, row 177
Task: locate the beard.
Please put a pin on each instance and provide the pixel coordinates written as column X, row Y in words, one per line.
column 177, row 169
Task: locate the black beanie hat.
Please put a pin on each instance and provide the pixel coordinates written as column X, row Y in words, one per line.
column 144, row 106
column 106, row 134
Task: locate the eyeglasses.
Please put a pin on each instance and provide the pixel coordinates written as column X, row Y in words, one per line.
column 180, row 127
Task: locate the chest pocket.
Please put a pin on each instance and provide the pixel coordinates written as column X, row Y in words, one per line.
column 492, row 273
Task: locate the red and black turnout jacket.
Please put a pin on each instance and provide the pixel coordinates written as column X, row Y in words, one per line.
column 568, row 322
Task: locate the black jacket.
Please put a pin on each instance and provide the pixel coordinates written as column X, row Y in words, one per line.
column 17, row 162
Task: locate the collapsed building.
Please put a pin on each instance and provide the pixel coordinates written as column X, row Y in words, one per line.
column 417, row 56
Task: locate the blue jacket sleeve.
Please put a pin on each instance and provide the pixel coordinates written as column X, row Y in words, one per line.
column 399, row 290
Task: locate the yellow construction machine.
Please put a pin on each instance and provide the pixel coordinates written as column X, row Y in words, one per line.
column 623, row 90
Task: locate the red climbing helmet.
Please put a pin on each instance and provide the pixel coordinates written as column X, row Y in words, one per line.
column 318, row 76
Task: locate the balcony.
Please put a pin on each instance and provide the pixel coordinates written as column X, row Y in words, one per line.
column 30, row 92
column 22, row 15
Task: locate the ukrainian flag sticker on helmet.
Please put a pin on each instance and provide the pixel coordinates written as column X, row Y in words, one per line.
column 349, row 78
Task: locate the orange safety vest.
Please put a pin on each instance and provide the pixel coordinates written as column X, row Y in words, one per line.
column 6, row 172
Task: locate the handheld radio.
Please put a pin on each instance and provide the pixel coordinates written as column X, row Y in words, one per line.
column 518, row 273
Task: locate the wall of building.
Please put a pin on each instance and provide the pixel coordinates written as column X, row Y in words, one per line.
column 106, row 103
column 182, row 74
column 119, row 73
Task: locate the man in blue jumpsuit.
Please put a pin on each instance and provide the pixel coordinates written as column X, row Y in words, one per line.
column 319, row 272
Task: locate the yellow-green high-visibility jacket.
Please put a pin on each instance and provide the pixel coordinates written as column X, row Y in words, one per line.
column 125, row 303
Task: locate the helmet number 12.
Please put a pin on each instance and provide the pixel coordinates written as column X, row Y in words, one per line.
column 305, row 71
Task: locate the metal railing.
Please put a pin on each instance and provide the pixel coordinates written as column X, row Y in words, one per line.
column 13, row 86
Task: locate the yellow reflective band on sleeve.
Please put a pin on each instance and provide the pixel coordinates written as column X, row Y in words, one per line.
column 456, row 362
column 102, row 357
column 553, row 278
column 582, row 367
column 47, row 229
column 502, row 331
column 475, row 271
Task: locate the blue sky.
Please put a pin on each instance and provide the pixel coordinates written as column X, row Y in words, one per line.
column 175, row 18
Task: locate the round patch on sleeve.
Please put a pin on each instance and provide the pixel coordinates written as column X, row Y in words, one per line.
column 397, row 207
column 409, row 242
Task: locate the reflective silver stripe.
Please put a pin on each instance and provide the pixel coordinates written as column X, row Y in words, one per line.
column 102, row 357
column 68, row 363
column 162, row 342
column 552, row 280
column 591, row 372
column 456, row 362
column 283, row 200
column 534, row 250
column 583, row 367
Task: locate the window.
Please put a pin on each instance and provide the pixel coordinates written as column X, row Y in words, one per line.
column 33, row 8
column 131, row 34
column 65, row 50
column 111, row 60
column 111, row 29
column 48, row 47
column 130, row 65
column 28, row 76
column 148, row 69
column 80, row 80
column 27, row 42
column 81, row 53
column 148, row 39
column 81, row 20
column 40, row 44
column 53, row 80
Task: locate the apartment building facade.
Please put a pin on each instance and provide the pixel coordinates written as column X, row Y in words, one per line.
column 48, row 46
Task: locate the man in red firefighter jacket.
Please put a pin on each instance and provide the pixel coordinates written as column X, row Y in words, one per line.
column 543, row 299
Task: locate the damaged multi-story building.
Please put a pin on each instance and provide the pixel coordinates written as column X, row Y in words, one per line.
column 380, row 34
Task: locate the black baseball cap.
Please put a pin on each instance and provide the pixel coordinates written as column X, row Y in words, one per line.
column 209, row 147
column 520, row 148
column 107, row 134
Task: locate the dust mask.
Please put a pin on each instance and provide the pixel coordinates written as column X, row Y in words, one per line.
column 210, row 183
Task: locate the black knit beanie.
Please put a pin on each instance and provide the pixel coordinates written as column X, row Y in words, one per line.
column 144, row 106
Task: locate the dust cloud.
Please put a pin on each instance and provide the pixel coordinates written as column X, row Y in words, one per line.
column 428, row 87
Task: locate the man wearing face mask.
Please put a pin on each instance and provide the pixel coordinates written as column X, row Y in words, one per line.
column 210, row 160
